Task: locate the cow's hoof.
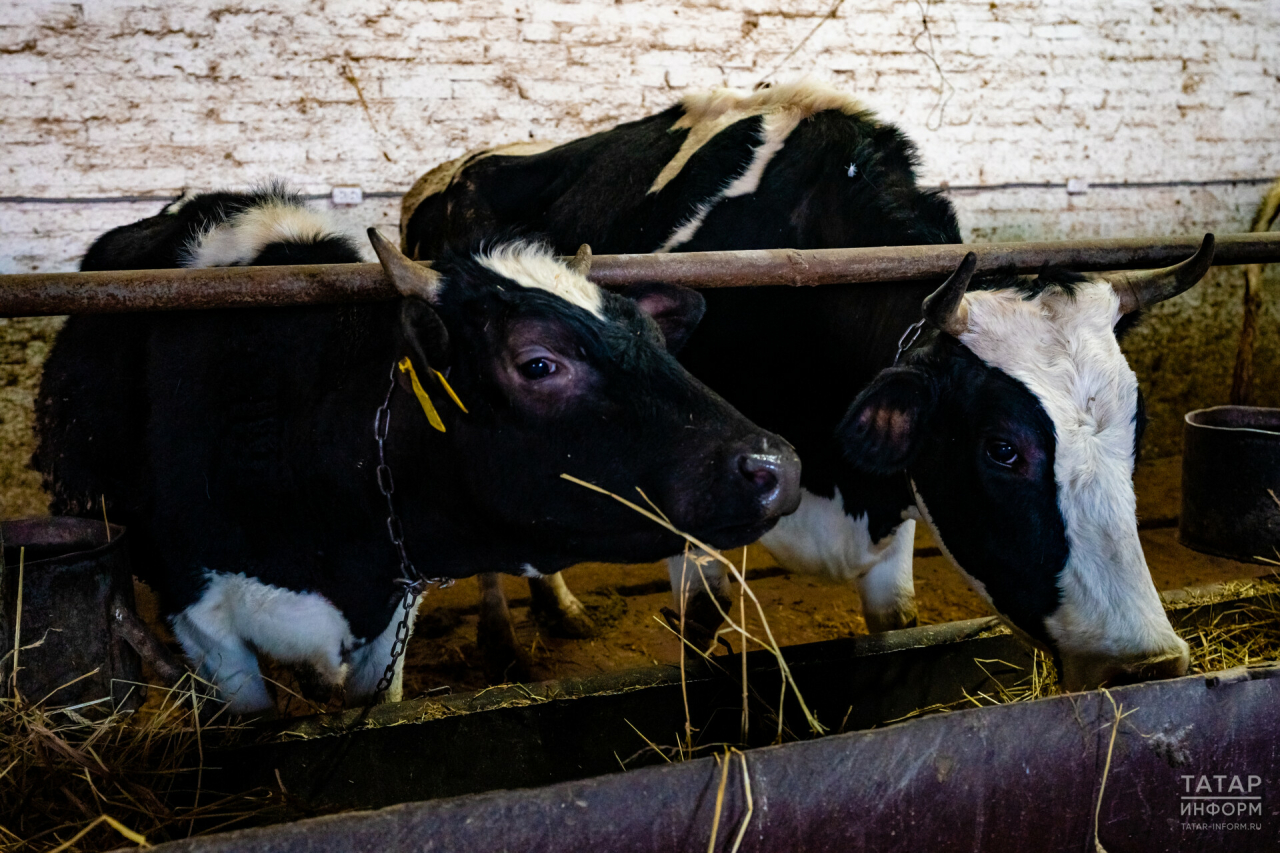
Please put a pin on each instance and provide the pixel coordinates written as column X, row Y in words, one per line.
column 505, row 664
column 878, row 623
column 504, row 659
column 702, row 619
column 574, row 624
column 570, row 622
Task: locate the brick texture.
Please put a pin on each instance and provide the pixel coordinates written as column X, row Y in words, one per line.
column 104, row 100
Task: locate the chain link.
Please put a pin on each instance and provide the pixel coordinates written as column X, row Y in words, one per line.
column 412, row 580
column 908, row 338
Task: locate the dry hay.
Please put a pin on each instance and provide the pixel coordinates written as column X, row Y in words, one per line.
column 1227, row 625
column 87, row 778
column 1235, row 624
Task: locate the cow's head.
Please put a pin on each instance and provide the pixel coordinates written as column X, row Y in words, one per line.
column 1017, row 420
column 561, row 377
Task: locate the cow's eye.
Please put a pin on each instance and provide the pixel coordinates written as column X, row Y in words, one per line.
column 1002, row 453
column 537, row 368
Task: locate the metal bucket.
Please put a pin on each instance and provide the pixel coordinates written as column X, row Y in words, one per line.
column 1230, row 470
column 74, row 582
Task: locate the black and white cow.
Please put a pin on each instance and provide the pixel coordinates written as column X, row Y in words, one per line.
column 1018, row 430
column 239, row 445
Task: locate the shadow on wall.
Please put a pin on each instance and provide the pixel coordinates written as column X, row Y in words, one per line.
column 1183, row 352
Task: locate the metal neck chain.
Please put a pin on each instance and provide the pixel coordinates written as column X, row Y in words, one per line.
column 410, row 578
column 908, row 338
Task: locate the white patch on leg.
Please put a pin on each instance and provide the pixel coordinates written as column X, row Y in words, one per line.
column 820, row 538
column 237, row 614
column 534, row 266
column 565, row 601
column 888, row 589
column 222, row 659
column 369, row 662
column 688, row 578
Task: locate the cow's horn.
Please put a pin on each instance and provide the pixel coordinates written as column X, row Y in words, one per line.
column 945, row 307
column 1144, row 288
column 411, row 279
column 581, row 262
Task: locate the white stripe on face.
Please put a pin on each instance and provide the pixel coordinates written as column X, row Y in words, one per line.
column 1063, row 349
column 535, row 267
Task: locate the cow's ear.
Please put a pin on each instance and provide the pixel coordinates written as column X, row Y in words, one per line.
column 424, row 333
column 882, row 430
column 675, row 309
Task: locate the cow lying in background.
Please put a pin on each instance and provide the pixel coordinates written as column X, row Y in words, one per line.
column 241, row 447
column 1012, row 433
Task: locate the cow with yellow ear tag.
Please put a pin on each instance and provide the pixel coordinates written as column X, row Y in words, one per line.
column 293, row 477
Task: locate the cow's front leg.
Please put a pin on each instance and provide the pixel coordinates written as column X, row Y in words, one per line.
column 222, row 657
column 560, row 607
column 887, row 588
column 701, row 594
column 369, row 662
column 504, row 659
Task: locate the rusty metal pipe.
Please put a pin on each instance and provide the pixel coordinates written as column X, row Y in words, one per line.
column 243, row 287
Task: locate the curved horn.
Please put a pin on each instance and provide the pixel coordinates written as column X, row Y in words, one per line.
column 411, row 279
column 581, row 262
column 944, row 308
column 1144, row 288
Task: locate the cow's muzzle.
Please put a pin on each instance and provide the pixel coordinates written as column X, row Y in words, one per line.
column 771, row 473
column 1089, row 673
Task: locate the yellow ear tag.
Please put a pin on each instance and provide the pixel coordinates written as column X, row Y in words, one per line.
column 449, row 388
column 433, row 417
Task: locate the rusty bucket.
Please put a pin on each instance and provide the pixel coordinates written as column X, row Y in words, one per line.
column 1230, row 483
column 74, row 583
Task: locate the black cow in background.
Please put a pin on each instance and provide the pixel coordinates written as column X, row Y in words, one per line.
column 243, row 447
column 1013, row 434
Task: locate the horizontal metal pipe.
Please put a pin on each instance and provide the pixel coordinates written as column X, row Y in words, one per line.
column 242, row 287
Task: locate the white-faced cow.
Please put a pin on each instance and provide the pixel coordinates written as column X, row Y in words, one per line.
column 1013, row 433
column 241, row 446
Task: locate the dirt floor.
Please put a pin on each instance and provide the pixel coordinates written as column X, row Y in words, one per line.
column 625, row 600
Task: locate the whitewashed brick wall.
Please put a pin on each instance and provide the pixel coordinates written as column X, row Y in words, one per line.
column 116, row 99
column 111, row 98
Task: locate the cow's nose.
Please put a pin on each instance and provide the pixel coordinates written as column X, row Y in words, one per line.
column 1089, row 674
column 1173, row 666
column 773, row 473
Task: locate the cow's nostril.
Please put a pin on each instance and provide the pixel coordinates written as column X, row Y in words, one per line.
column 1086, row 673
column 770, row 477
column 761, row 471
column 1171, row 666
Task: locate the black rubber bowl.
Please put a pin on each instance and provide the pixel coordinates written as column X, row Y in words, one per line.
column 1230, row 480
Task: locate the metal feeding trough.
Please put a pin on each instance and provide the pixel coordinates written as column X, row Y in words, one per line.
column 1230, row 483
column 1059, row 774
column 1047, row 775
column 66, row 602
